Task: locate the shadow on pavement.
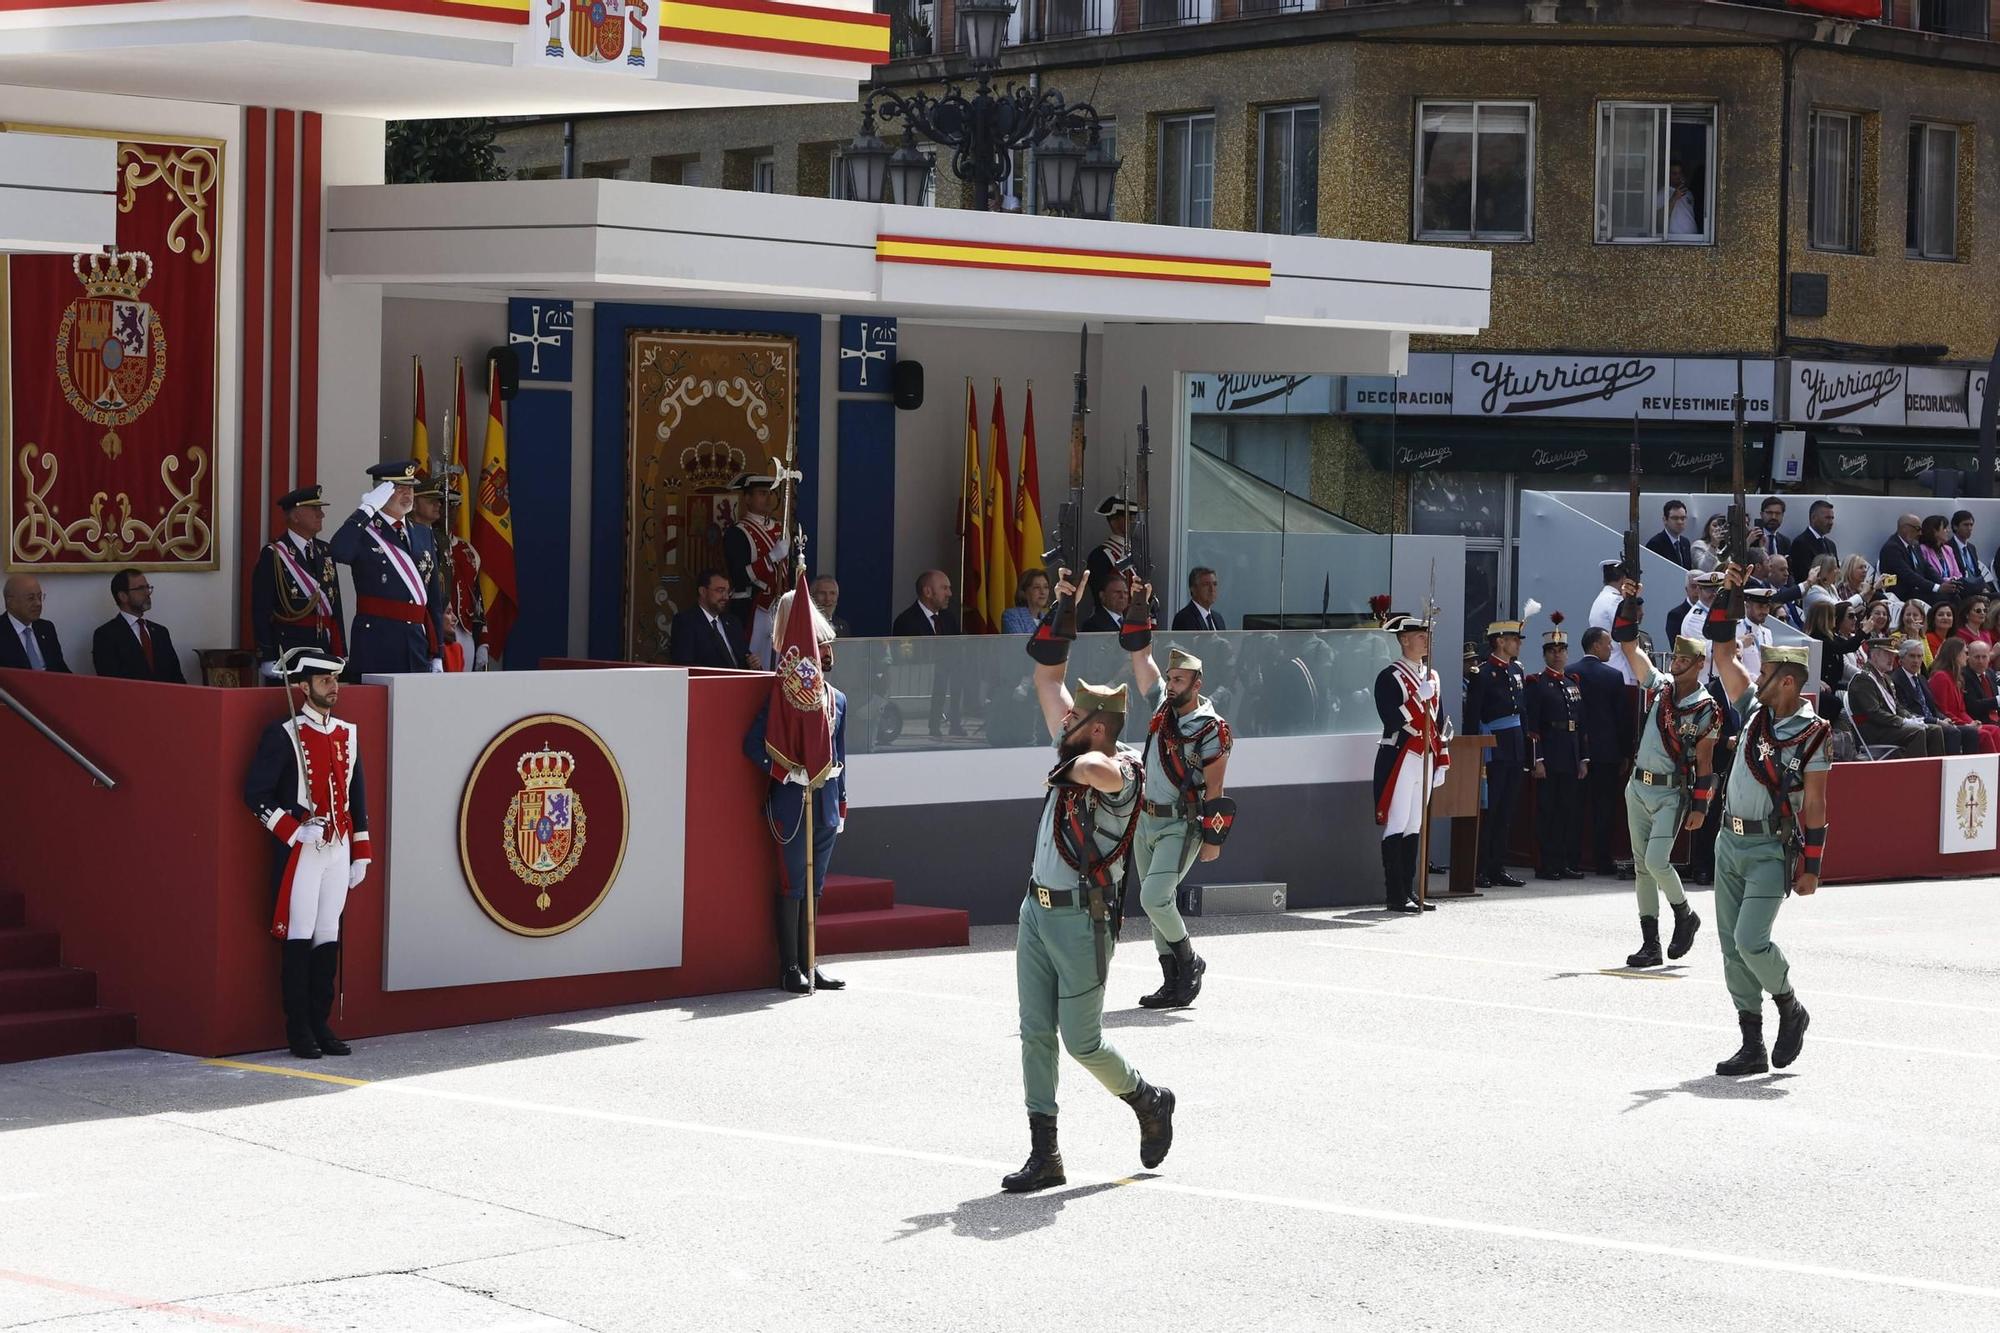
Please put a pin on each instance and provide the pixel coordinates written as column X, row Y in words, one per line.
column 1003, row 1216
column 1717, row 1088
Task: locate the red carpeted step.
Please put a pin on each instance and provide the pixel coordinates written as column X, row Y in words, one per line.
column 21, row 947
column 64, row 1032
column 13, row 909
column 29, row 989
column 897, row 928
column 856, row 893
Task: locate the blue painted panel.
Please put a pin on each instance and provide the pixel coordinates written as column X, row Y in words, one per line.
column 865, row 515
column 542, row 333
column 867, row 353
column 538, row 461
column 607, row 445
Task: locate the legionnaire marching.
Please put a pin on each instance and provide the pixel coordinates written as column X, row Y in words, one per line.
column 1406, row 699
column 295, row 590
column 1069, row 917
column 398, row 601
column 1558, row 754
column 1114, row 553
column 462, row 598
column 755, row 550
column 1493, row 708
column 1673, row 775
column 305, row 787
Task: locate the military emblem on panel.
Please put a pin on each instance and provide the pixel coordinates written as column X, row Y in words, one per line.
column 545, row 827
column 111, row 351
column 1971, row 806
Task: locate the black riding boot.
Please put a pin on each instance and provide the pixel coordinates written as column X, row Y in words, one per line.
column 1044, row 1165
column 1686, row 923
column 1412, row 867
column 1188, row 968
column 1395, row 886
column 1163, row 998
column 1155, row 1109
column 1649, row 944
column 1792, row 1020
column 325, row 968
column 821, row 981
column 790, row 976
column 293, row 986
column 1751, row 1059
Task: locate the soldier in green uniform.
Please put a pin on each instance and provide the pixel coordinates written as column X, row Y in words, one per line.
column 1673, row 775
column 1062, row 953
column 1773, row 834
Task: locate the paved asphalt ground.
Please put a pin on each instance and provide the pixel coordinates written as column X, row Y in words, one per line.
column 1455, row 1122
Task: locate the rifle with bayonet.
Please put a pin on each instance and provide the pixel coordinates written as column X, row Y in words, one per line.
column 1049, row 644
column 1727, row 608
column 1136, row 630
column 1632, row 509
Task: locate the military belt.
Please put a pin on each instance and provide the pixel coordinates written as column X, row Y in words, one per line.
column 1750, row 828
column 1055, row 897
column 1648, row 778
column 1163, row 810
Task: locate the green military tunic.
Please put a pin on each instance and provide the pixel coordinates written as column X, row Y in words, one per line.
column 1167, row 844
column 1750, row 882
column 1061, row 956
column 1654, row 811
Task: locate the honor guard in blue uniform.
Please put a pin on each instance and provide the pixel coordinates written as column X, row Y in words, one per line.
column 398, row 595
column 1559, row 756
column 295, row 590
column 1493, row 708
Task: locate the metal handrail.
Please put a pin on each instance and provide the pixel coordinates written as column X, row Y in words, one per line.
column 27, row 715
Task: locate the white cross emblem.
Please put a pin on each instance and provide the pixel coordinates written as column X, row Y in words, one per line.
column 536, row 340
column 868, row 351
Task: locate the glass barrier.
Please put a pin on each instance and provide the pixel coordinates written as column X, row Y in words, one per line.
column 978, row 692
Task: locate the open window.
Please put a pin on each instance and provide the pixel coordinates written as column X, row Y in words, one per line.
column 1655, row 173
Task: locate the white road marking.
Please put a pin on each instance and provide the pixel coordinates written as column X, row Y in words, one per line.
column 17, row 1198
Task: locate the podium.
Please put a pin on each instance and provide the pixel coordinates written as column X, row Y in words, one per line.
column 1458, row 800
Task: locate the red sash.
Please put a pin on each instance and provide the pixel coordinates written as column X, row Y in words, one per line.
column 407, row 612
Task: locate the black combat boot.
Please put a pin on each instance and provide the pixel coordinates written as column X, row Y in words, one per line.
column 1751, row 1058
column 1155, row 1109
column 293, row 986
column 1792, row 1020
column 1649, row 944
column 1163, row 998
column 325, row 968
column 790, row 976
column 1686, row 923
column 1395, row 886
column 1412, row 865
column 1044, row 1165
column 820, row 980
column 1188, row 968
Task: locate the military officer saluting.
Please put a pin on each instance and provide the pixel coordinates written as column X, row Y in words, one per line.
column 295, row 590
column 1493, row 698
column 398, row 599
column 1552, row 716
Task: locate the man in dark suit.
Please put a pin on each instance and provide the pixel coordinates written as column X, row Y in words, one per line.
column 929, row 617
column 1671, row 540
column 1899, row 558
column 705, row 634
column 1913, row 692
column 1770, row 517
column 1200, row 612
column 1878, row 710
column 1609, row 726
column 826, row 596
column 1978, row 575
column 1114, row 599
column 130, row 646
column 1814, row 542
column 29, row 641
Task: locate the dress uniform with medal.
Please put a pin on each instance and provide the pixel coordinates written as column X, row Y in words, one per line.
column 1493, row 698
column 1559, row 755
column 468, row 608
column 398, row 596
column 295, row 590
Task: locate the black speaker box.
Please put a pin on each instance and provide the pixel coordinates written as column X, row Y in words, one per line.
column 908, row 385
column 509, row 362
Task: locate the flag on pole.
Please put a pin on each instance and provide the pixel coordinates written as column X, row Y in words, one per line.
column 798, row 732
column 461, row 510
column 971, row 527
column 420, row 431
column 1028, row 541
column 1000, row 570
column 493, row 526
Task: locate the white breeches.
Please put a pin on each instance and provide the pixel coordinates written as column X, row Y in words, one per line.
column 1406, row 808
column 319, row 892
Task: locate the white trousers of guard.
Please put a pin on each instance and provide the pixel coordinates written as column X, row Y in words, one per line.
column 1406, row 808
column 319, row 891
column 761, row 627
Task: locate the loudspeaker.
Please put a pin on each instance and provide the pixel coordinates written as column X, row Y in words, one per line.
column 908, row 385
column 509, row 362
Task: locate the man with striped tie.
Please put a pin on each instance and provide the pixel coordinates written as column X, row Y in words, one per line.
column 398, row 596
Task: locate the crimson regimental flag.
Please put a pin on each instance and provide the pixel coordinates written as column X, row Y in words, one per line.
column 798, row 734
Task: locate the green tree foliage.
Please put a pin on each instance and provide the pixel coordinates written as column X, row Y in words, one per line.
column 434, row 151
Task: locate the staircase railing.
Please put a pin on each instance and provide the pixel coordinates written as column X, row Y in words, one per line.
column 27, row 715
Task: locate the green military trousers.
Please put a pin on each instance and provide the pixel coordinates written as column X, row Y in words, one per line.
column 1749, row 890
column 1653, row 817
column 1060, row 961
column 1166, row 848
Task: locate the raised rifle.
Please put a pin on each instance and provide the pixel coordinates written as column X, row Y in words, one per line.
column 1632, row 509
column 1139, row 523
column 1739, row 517
column 1049, row 644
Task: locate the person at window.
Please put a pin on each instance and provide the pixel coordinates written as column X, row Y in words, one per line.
column 1979, row 684
column 1938, row 626
column 1770, row 516
column 1678, row 200
column 1031, row 599
column 1671, row 540
column 1900, row 559
column 30, row 641
column 1948, row 691
column 1977, row 573
column 1912, row 624
column 129, row 646
column 1200, row 612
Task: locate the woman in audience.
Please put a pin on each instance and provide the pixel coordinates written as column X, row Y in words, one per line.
column 1948, row 690
column 1838, row 628
column 1713, row 545
column 1982, row 687
column 1821, row 576
column 1031, row 598
column 1974, row 629
column 1876, row 621
column 1938, row 625
column 1911, row 626
column 1857, row 580
column 1934, row 548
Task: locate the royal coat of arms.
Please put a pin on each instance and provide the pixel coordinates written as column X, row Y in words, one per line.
column 598, row 30
column 544, row 829
column 111, row 351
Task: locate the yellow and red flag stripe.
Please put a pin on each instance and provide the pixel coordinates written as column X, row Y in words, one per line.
column 493, row 525
column 778, row 27
column 971, row 529
column 420, row 431
column 1028, row 538
column 1000, row 571
column 947, row 253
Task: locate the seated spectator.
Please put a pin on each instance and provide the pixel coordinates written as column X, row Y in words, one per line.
column 1771, row 517
column 129, row 646
column 1879, row 715
column 826, row 596
column 29, row 642
column 1978, row 573
column 1974, row 629
column 1876, row 623
column 1938, row 627
column 1947, row 690
column 1857, row 580
column 1940, row 557
column 1113, row 599
column 1913, row 691
column 1838, row 628
column 1902, row 561
column 1671, row 541
column 1712, row 547
column 1818, row 587
column 1981, row 686
column 1913, row 625
column 1031, row 599
column 1200, row 612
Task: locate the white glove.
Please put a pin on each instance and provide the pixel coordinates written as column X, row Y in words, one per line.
column 356, row 872
column 437, row 666
column 481, row 659
column 308, row 834
column 375, row 499
column 268, row 670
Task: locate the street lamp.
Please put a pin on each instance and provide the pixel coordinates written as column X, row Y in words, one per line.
column 982, row 28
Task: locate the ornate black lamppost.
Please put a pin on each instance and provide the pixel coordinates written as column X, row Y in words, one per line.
column 983, row 130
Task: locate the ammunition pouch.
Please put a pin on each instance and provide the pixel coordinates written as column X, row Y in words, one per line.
column 1720, row 624
column 1625, row 622
column 1218, row 816
column 1050, row 643
column 1135, row 634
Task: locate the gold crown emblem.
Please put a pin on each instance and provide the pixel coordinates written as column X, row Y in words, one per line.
column 118, row 275
column 545, row 768
column 712, row 465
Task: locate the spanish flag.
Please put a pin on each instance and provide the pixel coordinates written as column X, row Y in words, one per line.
column 420, row 432
column 493, row 524
column 971, row 527
column 1028, row 540
column 461, row 504
column 1000, row 570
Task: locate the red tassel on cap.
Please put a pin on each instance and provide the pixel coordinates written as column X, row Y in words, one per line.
column 1379, row 604
column 1555, row 617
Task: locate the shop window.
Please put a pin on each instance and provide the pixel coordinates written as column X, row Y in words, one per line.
column 1835, row 201
column 1475, row 171
column 1187, row 170
column 1655, row 173
column 1288, row 170
column 1932, row 214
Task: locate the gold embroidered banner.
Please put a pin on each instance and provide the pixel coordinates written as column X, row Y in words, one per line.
column 108, row 415
column 699, row 409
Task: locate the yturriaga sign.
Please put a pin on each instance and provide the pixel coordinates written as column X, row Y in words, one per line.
column 1618, row 388
column 1845, row 393
column 1254, row 393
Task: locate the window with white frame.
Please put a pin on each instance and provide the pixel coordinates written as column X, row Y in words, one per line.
column 1932, row 214
column 1187, row 170
column 764, row 175
column 1834, row 202
column 1475, row 171
column 1288, row 170
column 1655, row 173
